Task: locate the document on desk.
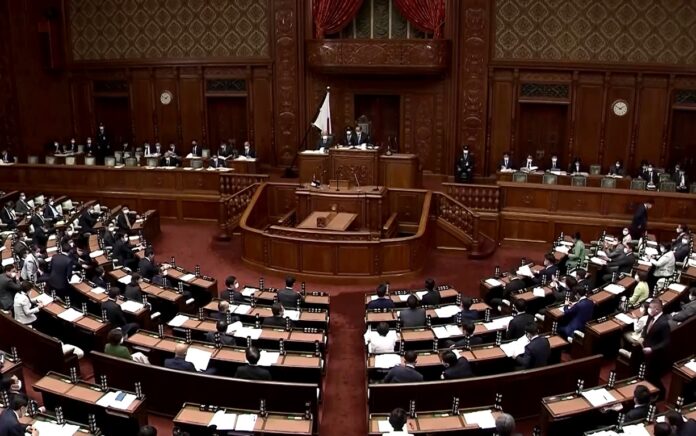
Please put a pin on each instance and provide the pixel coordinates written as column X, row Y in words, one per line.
column 294, row 315
column 187, row 277
column 644, row 263
column 624, row 318
column 234, row 327
column 539, row 292
column 109, row 400
column 562, row 249
column 50, row 428
column 70, row 315
column 494, row 282
column 75, row 279
column 441, row 332
column 525, row 271
column 223, row 421
column 248, row 292
column 482, row 418
column 250, row 332
column 132, row 306
column 178, row 321
column 9, row 261
column 498, row 323
column 420, row 294
column 598, row 397
column 691, row 365
column 97, row 290
column 615, row 289
column 383, row 426
column 268, row 358
column 677, row 287
column 598, row 260
column 404, row 297
column 635, row 430
column 242, row 309
column 245, row 422
column 515, row 348
column 125, row 279
column 386, row 361
column 650, row 251
column 447, row 311
column 44, row 299
column 96, row 253
column 198, row 357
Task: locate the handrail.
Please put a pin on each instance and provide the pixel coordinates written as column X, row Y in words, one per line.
column 467, row 221
column 231, row 183
column 477, row 197
column 231, row 208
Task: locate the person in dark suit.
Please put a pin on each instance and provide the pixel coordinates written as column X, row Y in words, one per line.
column 548, row 272
column 623, row 263
column 432, row 295
column 223, row 309
column 9, row 286
column 22, row 207
column 9, row 419
column 455, row 367
column 361, row 137
column 109, row 237
column 196, row 149
column 224, row 151
column 398, row 420
column 467, row 312
column 577, row 315
column 231, row 292
column 641, row 404
column 537, row 352
column 349, row 138
column 506, row 162
column 99, row 277
column 555, row 164
column 115, row 315
column 650, row 175
column 382, row 301
column 639, row 224
column 505, row 425
column 405, row 373
column 62, row 266
column 248, row 151
column 8, row 216
column 123, row 252
column 221, row 328
column 464, row 167
column 87, row 221
column 288, row 297
column 679, row 426
column 517, row 325
column 617, row 169
column 412, row 316
column 656, row 338
column 688, row 310
column 103, row 144
column 179, row 362
column 576, row 166
column 6, row 156
column 325, row 141
column 147, row 266
column 468, row 327
column 251, row 371
column 133, row 291
column 148, row 430
column 277, row 320
column 124, row 220
column 169, row 160
column 51, row 212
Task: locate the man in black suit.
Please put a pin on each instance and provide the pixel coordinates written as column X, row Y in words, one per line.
column 576, row 166
column 288, row 297
column 518, row 324
column 221, row 328
column 656, row 337
column 62, row 266
column 9, row 420
column 623, row 263
column 248, row 151
column 22, row 207
column 123, row 251
column 468, row 327
column 506, row 162
column 467, row 312
column 147, row 266
column 555, row 164
column 432, row 295
column 641, row 404
column 169, row 160
column 617, row 169
column 87, row 221
column 6, row 156
column 412, row 316
column 324, row 142
column 224, row 151
column 277, row 320
column 455, row 367
column 405, row 373
column 382, row 301
column 349, row 138
column 361, row 137
column 124, row 220
column 103, row 144
column 679, row 426
column 51, row 212
column 251, row 371
column 98, row 278
column 639, row 224
column 8, row 216
column 548, row 272
column 650, row 175
column 109, row 236
column 537, row 352
column 133, row 291
column 464, row 167
column 115, row 315
column 9, row 286
column 231, row 292
column 196, row 150
column 179, row 362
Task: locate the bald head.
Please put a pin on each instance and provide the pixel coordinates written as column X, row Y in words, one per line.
column 180, row 350
column 504, row 424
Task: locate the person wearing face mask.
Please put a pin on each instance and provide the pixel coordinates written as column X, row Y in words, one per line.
column 528, row 164
column 656, row 337
column 8, row 287
column 123, row 252
column 8, row 216
column 231, row 292
column 248, row 152
column 22, row 207
column 555, row 164
column 536, row 352
column 124, row 220
column 67, row 237
column 6, row 156
column 349, row 138
column 87, row 221
column 9, row 419
column 576, row 255
column 621, row 264
column 577, row 315
column 196, row 150
column 639, row 224
column 361, row 138
column 133, row 291
column 223, row 151
column 635, row 337
column 549, row 270
column 31, row 269
column 103, row 145
column 40, row 236
column 464, row 168
column 89, row 147
column 325, row 141
column 172, row 150
column 641, row 292
column 51, row 212
column 650, row 175
column 687, row 310
column 169, row 160
column 24, row 313
column 71, row 148
column 506, row 163
column 62, row 267
column 576, row 166
column 110, row 235
column 615, row 251
column 626, row 237
column 617, row 169
column 663, row 266
column 682, row 181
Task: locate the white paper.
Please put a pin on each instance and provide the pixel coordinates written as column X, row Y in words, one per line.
column 615, row 289
column 97, row 290
column 483, row 418
column 386, row 361
column 525, row 271
column 447, row 311
column 187, row 277
column 598, row 397
column 245, row 332
column 494, row 282
column 404, row 297
column 635, row 430
column 294, row 315
column 233, row 327
column 691, row 365
column 52, row 429
column 8, row 261
column 650, row 251
column 626, row 319
column 51, row 249
column 539, row 292
column 516, row 347
column 384, row 427
column 198, row 357
column 178, row 320
column 125, row 280
column 223, row 421
column 44, row 299
column 601, row 253
column 498, row 323
column 678, row 287
column 598, row 261
column 420, row 294
column 70, row 315
column 124, row 404
column 242, row 309
column 131, row 306
column 248, row 292
column 562, row 249
column 268, row 358
column 441, row 332
column 96, row 253
column 75, row 279
column 245, row 422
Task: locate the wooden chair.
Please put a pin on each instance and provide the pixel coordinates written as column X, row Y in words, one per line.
column 33, row 160
column 50, row 160
column 608, row 182
column 638, row 185
column 109, row 161
column 665, row 177
column 692, row 188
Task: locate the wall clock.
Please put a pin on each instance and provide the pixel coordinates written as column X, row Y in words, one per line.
column 166, row 97
column 620, row 107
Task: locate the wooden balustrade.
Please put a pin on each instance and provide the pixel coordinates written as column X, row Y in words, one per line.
column 465, row 223
column 233, row 196
column 476, row 197
column 233, row 183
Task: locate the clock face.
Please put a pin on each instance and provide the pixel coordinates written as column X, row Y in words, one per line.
column 166, row 97
column 620, row 108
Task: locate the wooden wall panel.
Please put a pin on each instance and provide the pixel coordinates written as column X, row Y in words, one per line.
column 588, row 122
column 501, row 120
column 191, row 91
column 262, row 113
column 618, row 131
column 167, row 115
column 651, row 121
column 142, row 104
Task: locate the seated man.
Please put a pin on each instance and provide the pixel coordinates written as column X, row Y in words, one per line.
column 464, row 167
column 99, row 277
column 382, row 301
column 681, row 425
column 548, row 272
column 169, row 160
column 133, row 291
column 578, row 314
column 641, row 404
column 405, row 373
column 8, row 216
column 221, row 328
column 126, row 219
column 432, row 295
column 506, row 162
column 412, row 316
column 576, row 166
column 22, row 207
column 288, row 297
column 51, row 213
column 528, row 164
column 123, row 252
column 87, row 221
column 468, row 328
column 505, row 425
column 9, row 419
column 687, row 310
column 251, row 371
column 109, row 237
column 398, row 420
column 115, row 315
column 381, row 341
column 518, row 324
column 277, row 320
column 361, row 137
column 617, row 169
column 179, row 362
column 231, row 292
column 555, row 164
column 223, row 310
column 621, row 264
column 455, row 366
column 324, row 142
column 536, row 352
column 196, row 150
column 466, row 312
column 147, row 266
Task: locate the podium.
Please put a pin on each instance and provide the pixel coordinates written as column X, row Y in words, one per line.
column 355, row 164
column 368, row 203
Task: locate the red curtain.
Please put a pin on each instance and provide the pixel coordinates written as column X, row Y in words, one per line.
column 426, row 15
column 330, row 16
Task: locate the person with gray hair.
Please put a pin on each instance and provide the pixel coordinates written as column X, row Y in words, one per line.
column 505, row 425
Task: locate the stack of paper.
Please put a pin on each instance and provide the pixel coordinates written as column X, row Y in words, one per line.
column 268, row 358
column 245, row 422
column 644, row 263
column 598, row 260
column 601, row 253
column 245, row 332
column 9, row 261
column 44, row 299
column 242, row 309
column 493, row 282
column 420, row 294
column 539, row 292
column 635, row 430
column 386, row 361
column 125, row 279
column 624, row 318
column 447, row 311
column 248, row 292
column 384, row 427
column 97, row 253
column 131, row 306
column 404, row 297
column 109, row 400
column 446, row 331
column 691, row 365
column 75, row 279
column 525, row 271
column 50, row 428
column 51, row 249
column 294, row 315
column 178, row 320
column 498, row 323
column 483, row 418
column 198, row 357
column 614, row 288
column 187, row 277
column 650, row 251
column 562, row 249
column 598, row 397
column 97, row 290
column 515, row 348
column 223, row 421
column 234, row 327
column 70, row 315
column 677, row 287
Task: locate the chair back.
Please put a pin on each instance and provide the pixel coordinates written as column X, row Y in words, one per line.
column 80, row 148
column 608, row 182
column 70, row 160
column 196, row 163
column 50, row 160
column 519, row 177
column 33, row 160
column 131, row 161
column 152, row 161
column 205, row 152
column 550, row 179
column 638, row 184
column 664, row 177
column 90, row 160
column 692, row 188
column 595, row 170
column 668, row 186
column 110, row 161
column 578, row 181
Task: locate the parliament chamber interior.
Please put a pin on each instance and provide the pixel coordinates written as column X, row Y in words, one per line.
column 347, row 217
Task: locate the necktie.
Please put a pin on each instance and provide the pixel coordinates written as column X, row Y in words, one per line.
column 529, row 165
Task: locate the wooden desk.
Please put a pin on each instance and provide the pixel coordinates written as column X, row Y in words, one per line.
column 594, row 181
column 354, row 163
column 399, row 297
column 366, row 202
column 400, row 170
column 314, row 165
column 192, row 418
column 310, row 299
column 442, row 421
column 334, row 221
column 391, row 316
column 683, row 380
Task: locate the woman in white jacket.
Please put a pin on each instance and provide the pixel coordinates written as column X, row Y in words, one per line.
column 664, row 265
column 23, row 312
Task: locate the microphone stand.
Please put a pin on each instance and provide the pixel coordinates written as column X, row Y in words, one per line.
column 355, row 175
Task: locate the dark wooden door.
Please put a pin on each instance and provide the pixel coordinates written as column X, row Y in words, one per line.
column 227, row 118
column 543, row 130
column 114, row 113
column 682, row 147
column 384, row 113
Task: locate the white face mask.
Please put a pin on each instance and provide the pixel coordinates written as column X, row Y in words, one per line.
column 636, row 278
column 685, row 241
column 18, row 385
column 13, row 275
column 625, row 232
column 236, row 285
column 626, row 250
column 325, row 137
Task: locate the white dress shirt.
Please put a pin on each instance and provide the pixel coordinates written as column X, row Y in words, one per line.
column 382, row 344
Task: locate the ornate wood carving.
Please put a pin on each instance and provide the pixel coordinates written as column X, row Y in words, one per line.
column 9, row 126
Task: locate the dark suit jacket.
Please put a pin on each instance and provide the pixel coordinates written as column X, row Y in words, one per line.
column 6, row 218
column 49, row 213
column 536, row 354
column 412, row 317
column 364, row 138
column 640, row 219
column 349, row 141
column 613, row 170
column 656, row 334
column 37, row 220
column 381, row 303
column 10, row 425
column 403, row 374
column 577, row 316
column 8, row 289
column 114, row 313
column 122, row 221
column 431, row 298
column 689, row 428
column 134, row 293
column 325, row 144
column 86, row 222
column 252, row 372
column 61, row 271
column 462, row 369
column 502, row 165
column 147, row 269
column 197, row 151
column 473, row 340
column 123, row 252
column 548, row 272
column 637, row 412
column 572, row 168
column 237, row 297
column 646, row 176
column 180, row 364
column 22, row 207
column 274, row 321
column 622, row 263
column 471, row 315
column 109, row 239
column 250, row 154
column 225, row 339
column 173, row 162
column 517, row 325
column 98, row 281
column 288, row 298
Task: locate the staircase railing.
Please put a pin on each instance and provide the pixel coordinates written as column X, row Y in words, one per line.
column 465, row 222
column 476, row 197
column 234, row 197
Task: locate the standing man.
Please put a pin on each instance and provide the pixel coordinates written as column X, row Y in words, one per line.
column 103, row 144
column 464, row 167
column 639, row 224
column 655, row 345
